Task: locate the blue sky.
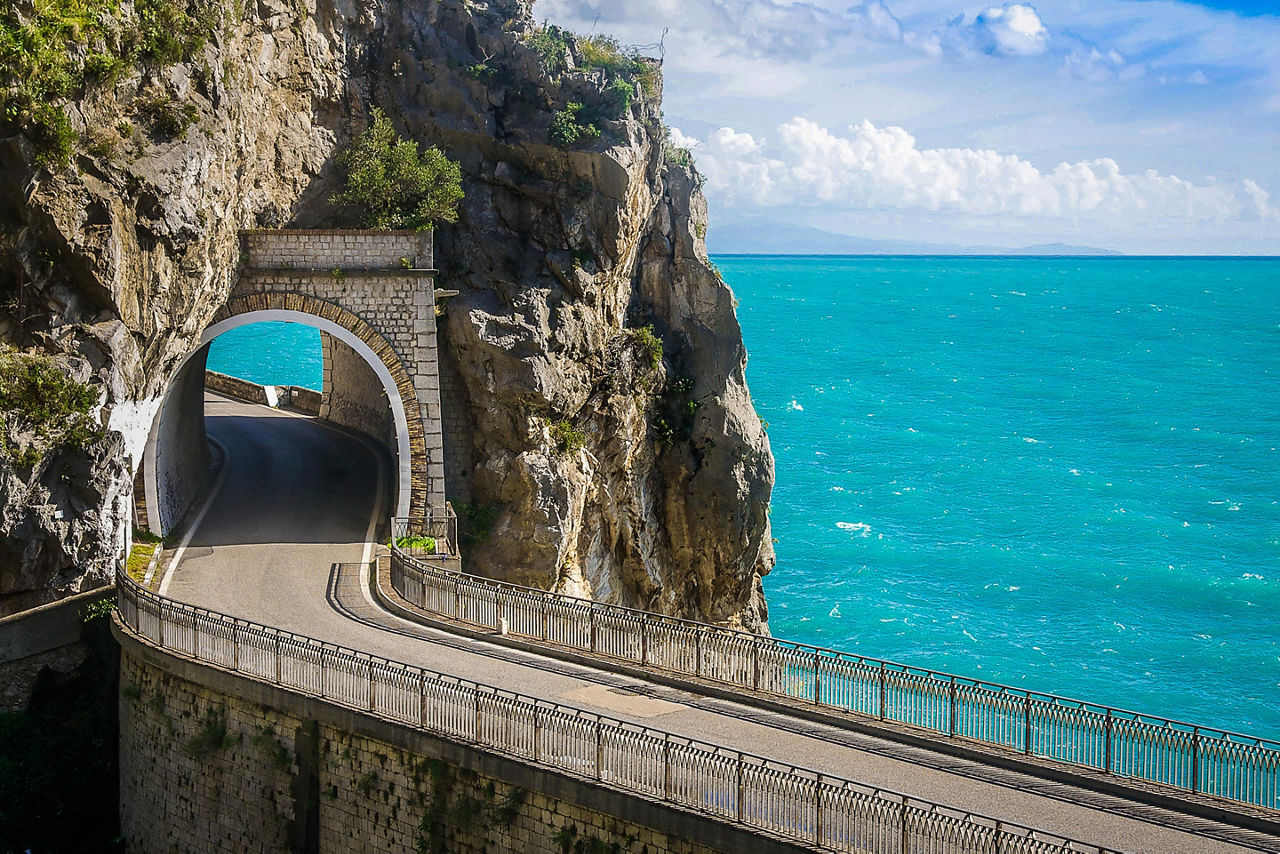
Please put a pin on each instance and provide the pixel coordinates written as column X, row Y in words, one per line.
column 1137, row 125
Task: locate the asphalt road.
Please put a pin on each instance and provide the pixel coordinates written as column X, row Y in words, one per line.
column 298, row 497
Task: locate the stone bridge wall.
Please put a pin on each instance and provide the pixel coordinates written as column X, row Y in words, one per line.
column 213, row 762
column 385, row 280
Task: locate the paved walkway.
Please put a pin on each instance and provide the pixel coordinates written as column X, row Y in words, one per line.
column 298, row 499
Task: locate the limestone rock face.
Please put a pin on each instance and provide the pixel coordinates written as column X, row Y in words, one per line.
column 615, row 451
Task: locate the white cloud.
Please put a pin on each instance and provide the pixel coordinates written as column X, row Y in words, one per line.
column 875, row 168
column 1014, row 29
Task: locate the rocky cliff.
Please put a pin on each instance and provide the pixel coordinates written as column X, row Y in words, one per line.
column 616, row 452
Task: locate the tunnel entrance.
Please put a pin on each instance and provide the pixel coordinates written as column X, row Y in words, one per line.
column 353, row 394
column 372, row 297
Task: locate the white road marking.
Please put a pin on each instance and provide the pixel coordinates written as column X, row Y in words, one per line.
column 195, row 523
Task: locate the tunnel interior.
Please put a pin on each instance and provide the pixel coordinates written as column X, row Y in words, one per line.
column 180, row 463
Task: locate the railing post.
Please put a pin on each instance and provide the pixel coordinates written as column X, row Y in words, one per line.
column 1195, row 759
column 666, row 766
column 422, row 698
column 1026, row 720
column 545, row 607
column 755, row 664
column 999, row 833
column 277, row 659
column 457, row 599
column 697, row 643
column 591, row 610
column 906, row 836
column 235, row 646
column 883, row 688
column 599, row 750
column 372, row 688
column 738, row 768
column 818, row 830
column 644, row 641
column 537, row 735
column 951, row 728
column 322, row 672
column 817, row 677
column 476, row 729
column 1108, row 730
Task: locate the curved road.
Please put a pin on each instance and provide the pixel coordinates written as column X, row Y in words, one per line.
column 298, row 497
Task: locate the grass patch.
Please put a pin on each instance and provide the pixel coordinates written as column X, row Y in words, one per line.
column 139, row 559
column 566, row 437
column 552, row 44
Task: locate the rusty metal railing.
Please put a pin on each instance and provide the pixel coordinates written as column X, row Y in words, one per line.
column 831, row 813
column 1193, row 758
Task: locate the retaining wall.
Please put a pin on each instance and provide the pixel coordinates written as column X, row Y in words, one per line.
column 212, row 761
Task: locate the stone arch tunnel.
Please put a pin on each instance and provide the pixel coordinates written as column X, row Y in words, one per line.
column 372, row 296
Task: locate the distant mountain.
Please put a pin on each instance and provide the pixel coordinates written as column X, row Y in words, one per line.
column 759, row 236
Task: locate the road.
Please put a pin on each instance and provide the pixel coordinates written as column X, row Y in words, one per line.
column 298, row 497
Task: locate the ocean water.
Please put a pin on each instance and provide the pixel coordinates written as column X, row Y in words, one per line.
column 1060, row 474
column 270, row 354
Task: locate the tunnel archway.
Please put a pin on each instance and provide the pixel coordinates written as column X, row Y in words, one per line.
column 176, row 459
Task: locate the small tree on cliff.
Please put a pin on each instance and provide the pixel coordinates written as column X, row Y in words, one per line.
column 394, row 184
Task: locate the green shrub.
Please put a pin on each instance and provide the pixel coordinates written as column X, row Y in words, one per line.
column 476, row 521
column 423, row 544
column 572, row 124
column 647, row 344
column 566, row 437
column 620, row 91
column 552, row 44
column 168, row 118
column 55, row 139
column 394, row 184
column 41, row 409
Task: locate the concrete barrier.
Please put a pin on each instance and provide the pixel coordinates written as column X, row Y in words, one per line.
column 48, row 627
column 294, row 397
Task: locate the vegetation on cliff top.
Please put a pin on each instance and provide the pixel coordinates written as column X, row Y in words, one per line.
column 50, row 50
column 41, row 408
column 394, row 184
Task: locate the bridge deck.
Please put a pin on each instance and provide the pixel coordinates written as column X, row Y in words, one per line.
column 298, row 497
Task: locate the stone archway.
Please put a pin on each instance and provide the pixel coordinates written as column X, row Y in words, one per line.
column 371, row 291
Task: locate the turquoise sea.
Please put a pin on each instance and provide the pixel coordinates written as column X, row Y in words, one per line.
column 1060, row 474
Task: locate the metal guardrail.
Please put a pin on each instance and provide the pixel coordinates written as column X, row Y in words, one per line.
column 1194, row 758
column 440, row 524
column 790, row 802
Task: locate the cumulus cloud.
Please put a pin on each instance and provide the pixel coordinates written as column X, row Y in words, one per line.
column 1014, row 29
column 873, row 168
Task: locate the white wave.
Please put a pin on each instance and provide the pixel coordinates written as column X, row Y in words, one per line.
column 1252, row 575
column 837, row 489
column 862, row 529
column 835, row 611
column 1030, row 441
column 1017, row 293
column 1075, row 472
column 795, row 406
column 969, row 636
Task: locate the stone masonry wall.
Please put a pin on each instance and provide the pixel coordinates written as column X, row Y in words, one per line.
column 309, row 249
column 205, row 771
column 362, row 273
column 352, row 395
